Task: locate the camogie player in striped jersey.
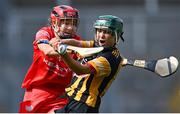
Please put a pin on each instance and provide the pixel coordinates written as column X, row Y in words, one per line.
column 94, row 75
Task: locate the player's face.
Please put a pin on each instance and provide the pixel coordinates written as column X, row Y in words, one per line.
column 68, row 26
column 104, row 37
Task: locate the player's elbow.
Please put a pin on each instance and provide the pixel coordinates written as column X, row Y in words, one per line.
column 83, row 70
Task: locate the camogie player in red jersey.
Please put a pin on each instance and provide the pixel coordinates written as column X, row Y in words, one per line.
column 48, row 75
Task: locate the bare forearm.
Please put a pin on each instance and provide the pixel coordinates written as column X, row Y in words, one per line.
column 72, row 42
column 51, row 53
column 47, row 50
column 75, row 66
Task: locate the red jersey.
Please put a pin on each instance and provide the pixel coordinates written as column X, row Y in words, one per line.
column 45, row 69
column 46, row 78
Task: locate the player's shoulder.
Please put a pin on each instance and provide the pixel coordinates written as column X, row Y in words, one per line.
column 46, row 28
column 111, row 54
column 45, row 32
column 115, row 53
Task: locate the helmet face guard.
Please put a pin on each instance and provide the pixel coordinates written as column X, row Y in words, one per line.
column 63, row 14
column 113, row 23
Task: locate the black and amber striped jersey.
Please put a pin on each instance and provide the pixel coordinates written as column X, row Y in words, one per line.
column 89, row 88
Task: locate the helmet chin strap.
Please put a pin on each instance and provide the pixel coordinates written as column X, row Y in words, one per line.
column 95, row 40
column 55, row 28
column 116, row 38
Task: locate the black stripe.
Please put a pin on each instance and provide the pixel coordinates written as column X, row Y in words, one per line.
column 114, row 63
column 74, row 79
column 98, row 102
column 88, row 85
column 78, row 87
column 104, row 84
column 102, row 87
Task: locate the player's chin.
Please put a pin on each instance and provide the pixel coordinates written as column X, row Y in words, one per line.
column 103, row 44
column 100, row 44
column 67, row 33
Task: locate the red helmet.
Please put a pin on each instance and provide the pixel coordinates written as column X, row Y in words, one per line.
column 63, row 12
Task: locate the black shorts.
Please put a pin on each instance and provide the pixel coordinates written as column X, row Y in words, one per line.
column 74, row 106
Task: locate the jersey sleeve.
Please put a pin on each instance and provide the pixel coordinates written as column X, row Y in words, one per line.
column 42, row 35
column 101, row 66
column 107, row 63
column 87, row 43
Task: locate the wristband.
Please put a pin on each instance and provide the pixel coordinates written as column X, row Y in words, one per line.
column 42, row 42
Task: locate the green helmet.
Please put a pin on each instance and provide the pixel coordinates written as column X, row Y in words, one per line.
column 111, row 22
